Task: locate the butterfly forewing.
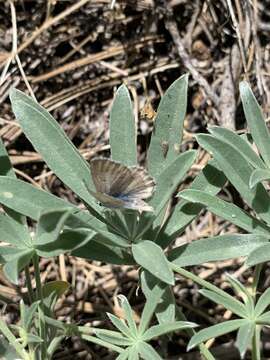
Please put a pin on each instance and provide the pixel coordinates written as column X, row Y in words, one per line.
column 103, row 172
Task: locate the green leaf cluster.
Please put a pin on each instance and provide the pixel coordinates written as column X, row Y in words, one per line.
column 139, row 239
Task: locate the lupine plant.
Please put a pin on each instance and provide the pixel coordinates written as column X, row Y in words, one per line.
column 143, row 240
column 245, row 160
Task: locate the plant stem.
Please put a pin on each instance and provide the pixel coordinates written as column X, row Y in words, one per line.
column 255, row 353
column 29, row 284
column 257, row 273
column 39, row 294
column 198, row 280
column 203, row 349
column 12, row 340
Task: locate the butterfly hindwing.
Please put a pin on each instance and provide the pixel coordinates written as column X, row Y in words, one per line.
column 108, row 200
column 141, row 185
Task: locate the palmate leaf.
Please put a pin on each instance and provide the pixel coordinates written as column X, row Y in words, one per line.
column 123, row 136
column 128, row 313
column 238, row 172
column 121, row 326
column 32, row 202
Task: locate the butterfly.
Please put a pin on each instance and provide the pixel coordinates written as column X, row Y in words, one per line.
column 119, row 186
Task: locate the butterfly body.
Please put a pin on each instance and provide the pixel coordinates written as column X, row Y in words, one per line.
column 119, row 186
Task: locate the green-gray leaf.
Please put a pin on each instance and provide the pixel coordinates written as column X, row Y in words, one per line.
column 210, row 180
column 216, row 248
column 151, row 257
column 256, row 122
column 50, row 225
column 226, row 211
column 239, row 143
column 49, row 139
column 238, row 171
column 14, row 266
column 258, row 175
column 123, row 139
column 244, row 337
column 259, row 255
column 214, row 331
column 14, row 232
column 162, row 329
column 167, row 134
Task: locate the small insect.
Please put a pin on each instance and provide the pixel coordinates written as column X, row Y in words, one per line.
column 147, row 112
column 119, row 186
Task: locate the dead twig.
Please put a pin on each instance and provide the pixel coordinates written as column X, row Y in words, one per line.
column 172, row 28
column 238, row 34
column 228, row 89
column 92, row 58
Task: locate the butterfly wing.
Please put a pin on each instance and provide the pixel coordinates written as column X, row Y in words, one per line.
column 108, row 200
column 130, row 185
column 141, row 184
column 137, row 204
column 104, row 172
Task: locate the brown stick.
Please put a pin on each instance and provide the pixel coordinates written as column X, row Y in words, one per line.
column 90, row 59
column 172, row 28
